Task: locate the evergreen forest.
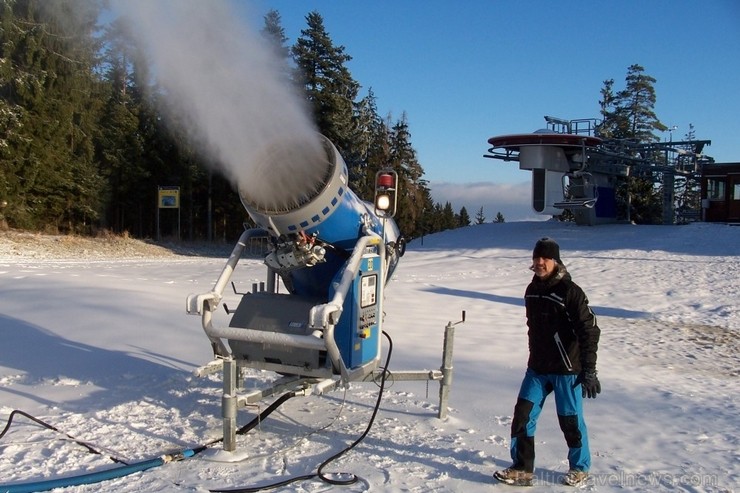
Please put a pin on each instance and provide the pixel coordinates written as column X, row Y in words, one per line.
column 84, row 147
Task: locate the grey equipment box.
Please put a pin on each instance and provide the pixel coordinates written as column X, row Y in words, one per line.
column 280, row 314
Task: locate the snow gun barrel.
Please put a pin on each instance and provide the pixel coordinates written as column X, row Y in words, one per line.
column 304, row 194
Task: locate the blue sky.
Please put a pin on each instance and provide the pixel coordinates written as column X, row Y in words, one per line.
column 466, row 71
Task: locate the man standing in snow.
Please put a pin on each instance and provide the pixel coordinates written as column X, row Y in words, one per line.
column 563, row 340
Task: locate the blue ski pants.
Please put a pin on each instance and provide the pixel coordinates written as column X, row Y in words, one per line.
column 569, row 404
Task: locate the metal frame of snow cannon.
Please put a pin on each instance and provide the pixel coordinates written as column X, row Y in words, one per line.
column 443, row 375
column 322, row 320
column 319, row 245
column 319, row 338
column 334, row 254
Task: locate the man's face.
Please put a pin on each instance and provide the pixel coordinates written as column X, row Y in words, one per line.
column 543, row 267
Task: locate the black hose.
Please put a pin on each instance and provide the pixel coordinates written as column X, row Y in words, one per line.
column 256, row 421
column 320, row 471
column 53, row 428
column 129, row 468
column 269, row 410
column 353, row 479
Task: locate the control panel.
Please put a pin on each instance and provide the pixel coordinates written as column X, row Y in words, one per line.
column 357, row 333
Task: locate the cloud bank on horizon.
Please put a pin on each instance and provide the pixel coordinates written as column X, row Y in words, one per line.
column 512, row 200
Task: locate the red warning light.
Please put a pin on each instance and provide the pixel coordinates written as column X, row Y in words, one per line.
column 385, row 180
column 385, row 193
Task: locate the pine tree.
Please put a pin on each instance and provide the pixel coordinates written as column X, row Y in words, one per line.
column 629, row 115
column 274, row 33
column 463, row 218
column 426, row 223
column 638, row 100
column 370, row 151
column 403, row 160
column 13, row 118
column 328, row 84
column 613, row 120
column 480, row 218
column 499, row 218
column 448, row 218
column 50, row 179
column 121, row 143
column 84, row 145
column 366, row 142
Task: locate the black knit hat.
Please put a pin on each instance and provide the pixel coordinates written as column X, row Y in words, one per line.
column 547, row 248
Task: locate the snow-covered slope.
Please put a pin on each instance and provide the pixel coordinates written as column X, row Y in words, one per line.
column 102, row 349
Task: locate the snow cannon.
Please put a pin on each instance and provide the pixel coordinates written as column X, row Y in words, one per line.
column 329, row 257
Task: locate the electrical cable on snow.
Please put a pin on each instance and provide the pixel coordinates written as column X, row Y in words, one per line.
column 255, row 421
column 127, row 469
column 95, row 477
column 296, row 440
column 53, row 428
column 352, row 478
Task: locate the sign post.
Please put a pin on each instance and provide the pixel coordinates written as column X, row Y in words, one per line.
column 168, row 198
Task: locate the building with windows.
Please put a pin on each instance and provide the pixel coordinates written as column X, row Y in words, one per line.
column 720, row 192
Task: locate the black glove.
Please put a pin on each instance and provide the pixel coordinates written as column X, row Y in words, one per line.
column 590, row 384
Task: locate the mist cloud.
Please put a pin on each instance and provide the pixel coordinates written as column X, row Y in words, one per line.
column 226, row 83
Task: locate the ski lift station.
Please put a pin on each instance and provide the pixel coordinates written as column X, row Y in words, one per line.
column 574, row 169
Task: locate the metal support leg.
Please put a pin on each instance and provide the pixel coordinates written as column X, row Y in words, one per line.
column 446, row 382
column 229, row 404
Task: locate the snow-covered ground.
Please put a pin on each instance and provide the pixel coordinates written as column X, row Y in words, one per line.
column 102, row 349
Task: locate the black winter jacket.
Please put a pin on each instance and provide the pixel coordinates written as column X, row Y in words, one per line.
column 563, row 333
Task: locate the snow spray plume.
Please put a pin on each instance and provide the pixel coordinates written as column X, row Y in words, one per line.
column 227, row 83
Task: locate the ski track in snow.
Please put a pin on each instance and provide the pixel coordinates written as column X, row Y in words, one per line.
column 104, row 351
